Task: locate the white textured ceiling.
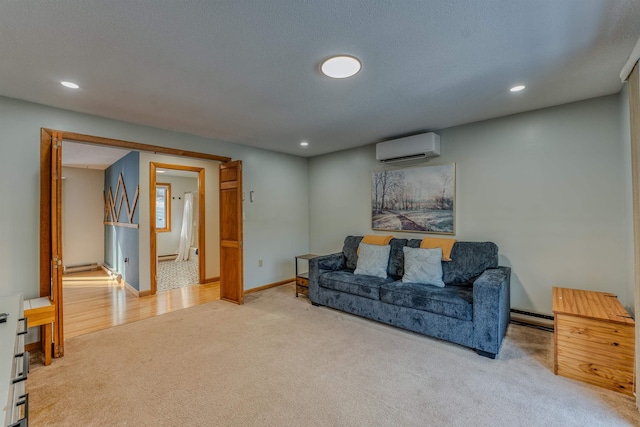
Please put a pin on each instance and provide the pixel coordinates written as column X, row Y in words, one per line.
column 90, row 156
column 247, row 71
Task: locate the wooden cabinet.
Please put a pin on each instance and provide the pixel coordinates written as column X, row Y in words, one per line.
column 302, row 278
column 594, row 339
column 14, row 363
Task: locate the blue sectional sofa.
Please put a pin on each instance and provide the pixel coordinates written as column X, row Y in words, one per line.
column 472, row 309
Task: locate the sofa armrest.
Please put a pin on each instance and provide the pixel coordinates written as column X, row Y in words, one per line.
column 491, row 309
column 319, row 265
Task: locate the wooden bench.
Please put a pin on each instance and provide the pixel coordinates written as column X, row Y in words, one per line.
column 41, row 312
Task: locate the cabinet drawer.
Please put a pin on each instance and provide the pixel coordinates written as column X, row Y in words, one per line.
column 601, row 337
column 13, row 363
column 302, row 281
column 601, row 374
column 18, row 409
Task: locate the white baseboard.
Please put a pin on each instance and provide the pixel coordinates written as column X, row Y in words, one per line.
column 118, row 277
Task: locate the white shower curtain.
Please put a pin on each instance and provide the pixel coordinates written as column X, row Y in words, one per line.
column 187, row 228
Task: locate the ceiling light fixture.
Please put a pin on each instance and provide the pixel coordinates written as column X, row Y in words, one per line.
column 341, row 67
column 517, row 88
column 160, row 171
column 304, row 144
column 70, row 85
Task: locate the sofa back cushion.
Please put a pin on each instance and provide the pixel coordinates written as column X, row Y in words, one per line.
column 396, row 258
column 350, row 251
column 468, row 261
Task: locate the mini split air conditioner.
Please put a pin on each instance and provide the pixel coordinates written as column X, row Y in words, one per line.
column 422, row 146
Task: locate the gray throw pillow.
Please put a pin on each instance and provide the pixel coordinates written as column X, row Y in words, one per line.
column 423, row 266
column 373, row 260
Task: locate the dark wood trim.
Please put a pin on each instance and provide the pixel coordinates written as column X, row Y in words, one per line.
column 90, row 139
column 269, row 286
column 211, row 280
column 45, row 213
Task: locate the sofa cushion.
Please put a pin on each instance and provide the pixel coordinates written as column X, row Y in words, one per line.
column 350, row 251
column 423, row 266
column 454, row 301
column 346, row 281
column 468, row 261
column 396, row 258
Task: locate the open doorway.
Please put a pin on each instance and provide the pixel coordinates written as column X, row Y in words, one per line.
column 51, row 248
column 178, row 226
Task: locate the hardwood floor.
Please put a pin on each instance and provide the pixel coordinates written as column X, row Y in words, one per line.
column 92, row 302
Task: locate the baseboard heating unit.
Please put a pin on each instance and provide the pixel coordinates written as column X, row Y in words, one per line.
column 81, row 267
column 533, row 320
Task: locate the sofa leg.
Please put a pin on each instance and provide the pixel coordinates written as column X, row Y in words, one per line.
column 486, row 354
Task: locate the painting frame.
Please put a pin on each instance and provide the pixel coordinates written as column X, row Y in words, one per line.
column 416, row 199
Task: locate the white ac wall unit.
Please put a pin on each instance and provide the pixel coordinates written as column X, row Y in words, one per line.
column 422, row 146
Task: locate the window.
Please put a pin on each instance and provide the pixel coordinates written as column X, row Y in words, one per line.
column 163, row 207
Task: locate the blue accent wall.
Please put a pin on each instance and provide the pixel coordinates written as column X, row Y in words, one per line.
column 121, row 243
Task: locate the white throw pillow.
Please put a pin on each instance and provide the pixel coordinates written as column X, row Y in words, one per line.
column 423, row 266
column 373, row 260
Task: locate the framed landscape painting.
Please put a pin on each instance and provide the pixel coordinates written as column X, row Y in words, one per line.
column 418, row 199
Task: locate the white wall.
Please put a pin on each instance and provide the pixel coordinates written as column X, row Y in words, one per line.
column 547, row 186
column 276, row 227
column 168, row 242
column 82, row 216
column 278, row 217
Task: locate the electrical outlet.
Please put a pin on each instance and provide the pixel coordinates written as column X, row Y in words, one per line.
column 259, row 263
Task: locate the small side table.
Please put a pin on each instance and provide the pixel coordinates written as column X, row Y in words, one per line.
column 302, row 279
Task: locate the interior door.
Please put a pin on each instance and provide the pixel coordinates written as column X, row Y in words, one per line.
column 56, row 241
column 231, row 256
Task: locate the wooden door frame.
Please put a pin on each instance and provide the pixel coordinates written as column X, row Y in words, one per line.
column 153, row 237
column 46, row 136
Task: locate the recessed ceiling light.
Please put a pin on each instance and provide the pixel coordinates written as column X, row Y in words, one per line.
column 517, row 88
column 304, row 144
column 70, row 85
column 341, row 67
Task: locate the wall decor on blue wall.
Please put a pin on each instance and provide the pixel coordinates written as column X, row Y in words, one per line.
column 417, row 199
column 115, row 201
column 121, row 243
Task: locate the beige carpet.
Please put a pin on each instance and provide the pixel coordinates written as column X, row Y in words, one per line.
column 278, row 361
